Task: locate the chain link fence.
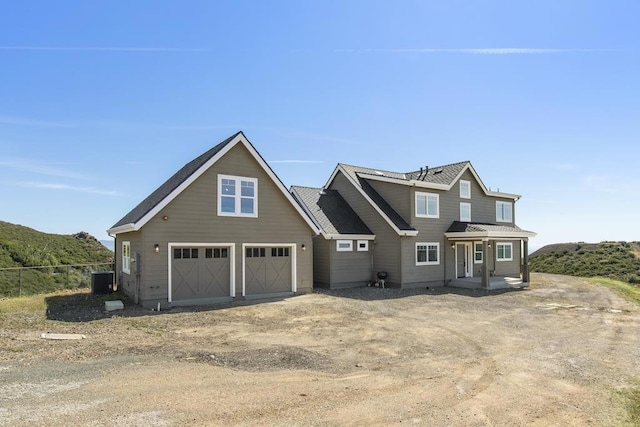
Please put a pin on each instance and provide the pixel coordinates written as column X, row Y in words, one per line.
column 22, row 281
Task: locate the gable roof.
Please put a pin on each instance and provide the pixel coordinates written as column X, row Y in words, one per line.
column 332, row 213
column 436, row 178
column 171, row 188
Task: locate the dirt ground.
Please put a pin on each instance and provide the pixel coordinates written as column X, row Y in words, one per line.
column 558, row 353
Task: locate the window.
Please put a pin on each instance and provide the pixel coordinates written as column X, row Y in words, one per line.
column 504, row 212
column 363, row 245
column 216, row 253
column 478, row 253
column 126, row 257
column 255, row 252
column 465, row 212
column 505, row 251
column 427, row 205
column 465, row 189
column 279, row 252
column 237, row 196
column 185, row 253
column 344, row 245
column 427, row 253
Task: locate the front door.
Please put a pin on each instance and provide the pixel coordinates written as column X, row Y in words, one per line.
column 464, row 260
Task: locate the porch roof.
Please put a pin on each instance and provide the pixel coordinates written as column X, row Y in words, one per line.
column 475, row 230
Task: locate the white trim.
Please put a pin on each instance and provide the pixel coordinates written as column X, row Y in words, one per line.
column 232, row 262
column 468, row 255
column 127, row 269
column 240, row 138
column 468, row 185
column 344, row 242
column 365, row 248
column 468, row 218
column 121, row 229
column 238, row 196
column 510, row 244
column 294, row 262
column 502, row 202
column 384, row 216
column 427, row 244
column 427, row 196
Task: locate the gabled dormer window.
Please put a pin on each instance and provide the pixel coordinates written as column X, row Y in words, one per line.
column 504, row 212
column 465, row 189
column 427, row 205
column 237, row 196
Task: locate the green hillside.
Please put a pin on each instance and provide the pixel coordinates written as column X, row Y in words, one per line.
column 24, row 247
column 615, row 260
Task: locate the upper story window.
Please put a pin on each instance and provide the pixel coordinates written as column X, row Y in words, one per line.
column 237, row 196
column 465, row 189
column 344, row 245
column 465, row 212
column 427, row 205
column 427, row 253
column 504, row 252
column 126, row 257
column 504, row 212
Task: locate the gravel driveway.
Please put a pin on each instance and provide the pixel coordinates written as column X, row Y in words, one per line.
column 558, row 353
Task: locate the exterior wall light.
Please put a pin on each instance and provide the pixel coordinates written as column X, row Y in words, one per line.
column 157, row 248
column 304, row 248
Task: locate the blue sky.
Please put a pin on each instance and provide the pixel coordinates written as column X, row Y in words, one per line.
column 100, row 102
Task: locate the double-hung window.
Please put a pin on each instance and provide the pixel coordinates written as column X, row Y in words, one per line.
column 427, row 253
column 237, row 196
column 478, row 252
column 427, row 205
column 504, row 212
column 126, row 257
column 504, row 251
column 465, row 189
column 465, row 212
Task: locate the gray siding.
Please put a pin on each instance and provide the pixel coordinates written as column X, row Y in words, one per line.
column 506, row 268
column 398, row 196
column 192, row 218
column 321, row 261
column 126, row 282
column 352, row 268
column 386, row 250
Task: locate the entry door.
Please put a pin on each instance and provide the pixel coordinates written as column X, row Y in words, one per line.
column 464, row 260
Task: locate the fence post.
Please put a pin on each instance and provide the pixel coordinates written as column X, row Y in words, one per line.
column 20, row 282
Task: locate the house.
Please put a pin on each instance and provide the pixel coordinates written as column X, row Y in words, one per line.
column 223, row 227
column 431, row 227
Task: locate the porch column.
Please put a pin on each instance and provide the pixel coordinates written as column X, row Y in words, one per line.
column 525, row 260
column 486, row 278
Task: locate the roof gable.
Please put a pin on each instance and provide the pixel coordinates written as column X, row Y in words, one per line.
column 181, row 180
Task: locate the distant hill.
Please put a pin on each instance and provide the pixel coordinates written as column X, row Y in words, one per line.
column 25, row 247
column 615, row 260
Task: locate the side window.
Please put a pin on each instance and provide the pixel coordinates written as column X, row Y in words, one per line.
column 344, row 245
column 427, row 253
column 363, row 245
column 478, row 253
column 126, row 257
column 504, row 212
column 504, row 252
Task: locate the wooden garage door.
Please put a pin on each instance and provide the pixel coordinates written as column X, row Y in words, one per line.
column 200, row 272
column 267, row 270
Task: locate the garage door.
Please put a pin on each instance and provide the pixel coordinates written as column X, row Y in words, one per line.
column 267, row 270
column 200, row 273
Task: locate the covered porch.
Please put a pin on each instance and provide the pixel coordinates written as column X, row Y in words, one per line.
column 488, row 256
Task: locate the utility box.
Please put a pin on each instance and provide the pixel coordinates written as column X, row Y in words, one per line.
column 101, row 282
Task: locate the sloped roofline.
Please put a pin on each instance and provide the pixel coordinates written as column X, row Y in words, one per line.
column 238, row 138
column 438, row 186
column 373, row 204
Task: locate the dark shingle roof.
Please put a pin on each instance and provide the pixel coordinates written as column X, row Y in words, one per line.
column 331, row 211
column 469, row 227
column 440, row 174
column 171, row 184
column 384, row 205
